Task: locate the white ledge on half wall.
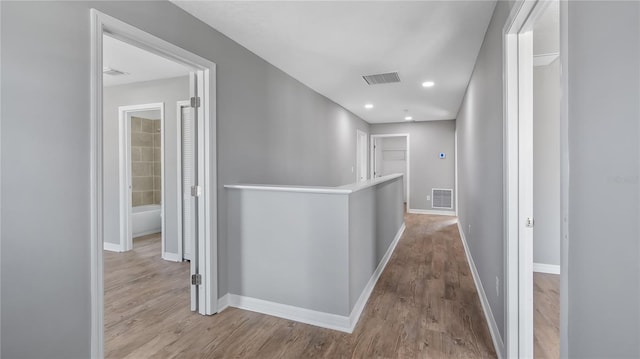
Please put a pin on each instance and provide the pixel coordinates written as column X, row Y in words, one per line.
column 346, row 189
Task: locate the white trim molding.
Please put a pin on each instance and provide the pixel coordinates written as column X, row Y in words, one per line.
column 302, row 315
column 546, row 268
column 112, row 247
column 223, row 303
column 486, row 308
column 432, row 212
column 308, row 316
column 172, row 257
column 545, row 59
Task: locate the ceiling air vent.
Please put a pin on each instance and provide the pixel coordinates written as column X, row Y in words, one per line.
column 442, row 198
column 112, row 72
column 378, row 79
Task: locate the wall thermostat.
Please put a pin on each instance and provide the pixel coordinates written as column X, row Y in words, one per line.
column 442, row 155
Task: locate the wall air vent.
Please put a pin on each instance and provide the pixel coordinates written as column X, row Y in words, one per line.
column 112, row 72
column 378, row 79
column 442, row 198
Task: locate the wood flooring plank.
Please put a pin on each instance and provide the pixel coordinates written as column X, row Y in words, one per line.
column 546, row 315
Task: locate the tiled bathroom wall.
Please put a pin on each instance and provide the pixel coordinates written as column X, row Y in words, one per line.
column 145, row 161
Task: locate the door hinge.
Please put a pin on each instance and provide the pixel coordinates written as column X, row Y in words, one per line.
column 196, row 279
column 196, row 191
column 195, row 102
column 530, row 222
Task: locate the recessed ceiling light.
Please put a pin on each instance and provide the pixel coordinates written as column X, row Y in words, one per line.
column 408, row 118
column 428, row 84
column 368, row 106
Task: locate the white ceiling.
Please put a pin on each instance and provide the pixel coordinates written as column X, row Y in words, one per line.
column 329, row 45
column 140, row 65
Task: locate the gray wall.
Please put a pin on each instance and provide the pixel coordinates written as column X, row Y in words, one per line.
column 375, row 216
column 480, row 176
column 600, row 310
column 290, row 248
column 310, row 250
column 168, row 91
column 604, row 157
column 271, row 129
column 546, row 163
column 427, row 170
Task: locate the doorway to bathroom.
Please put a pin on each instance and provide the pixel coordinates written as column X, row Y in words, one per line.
column 144, row 92
column 141, row 134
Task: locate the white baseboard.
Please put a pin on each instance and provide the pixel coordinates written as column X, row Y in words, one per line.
column 546, row 268
column 313, row 317
column 433, row 212
column 112, row 247
column 173, row 257
column 486, row 308
column 146, row 233
column 307, row 316
column 366, row 292
column 223, row 303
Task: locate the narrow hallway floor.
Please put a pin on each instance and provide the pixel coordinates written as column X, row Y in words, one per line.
column 425, row 305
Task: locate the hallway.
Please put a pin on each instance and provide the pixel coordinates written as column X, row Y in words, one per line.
column 424, row 305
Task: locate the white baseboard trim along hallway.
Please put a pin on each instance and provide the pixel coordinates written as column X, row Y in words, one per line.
column 486, row 308
column 320, row 319
column 432, row 212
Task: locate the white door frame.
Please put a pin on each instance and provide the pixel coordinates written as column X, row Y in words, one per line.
column 361, row 163
column 124, row 123
column 372, row 160
column 207, row 240
column 518, row 175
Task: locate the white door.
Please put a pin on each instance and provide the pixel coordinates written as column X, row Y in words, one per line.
column 193, row 192
column 377, row 157
column 393, row 158
column 361, row 156
column 188, row 180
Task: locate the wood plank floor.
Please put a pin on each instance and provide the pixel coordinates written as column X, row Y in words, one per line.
column 424, row 306
column 546, row 315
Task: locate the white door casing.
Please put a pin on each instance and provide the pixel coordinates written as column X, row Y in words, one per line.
column 102, row 24
column 125, row 182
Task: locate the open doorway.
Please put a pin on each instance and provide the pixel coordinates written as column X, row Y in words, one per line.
column 138, row 82
column 147, row 274
column 535, row 172
column 141, row 163
column 389, row 155
column 546, row 183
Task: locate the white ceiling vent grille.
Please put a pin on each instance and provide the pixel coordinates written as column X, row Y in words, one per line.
column 378, row 79
column 442, row 198
column 112, row 72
